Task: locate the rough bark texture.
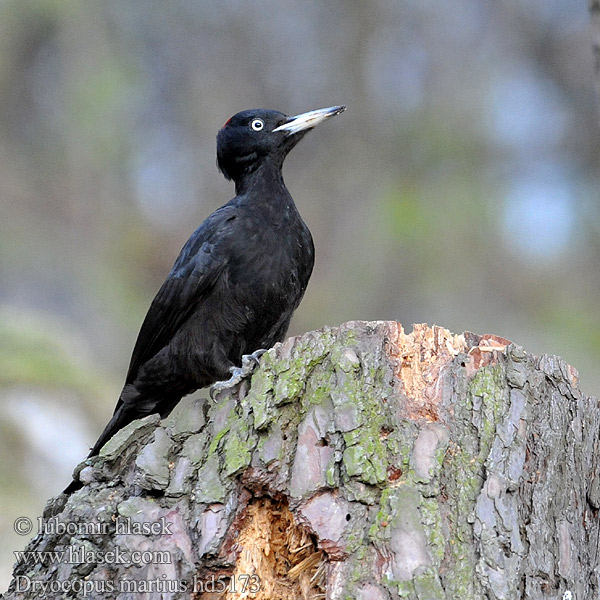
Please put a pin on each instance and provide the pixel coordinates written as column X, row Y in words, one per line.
column 361, row 463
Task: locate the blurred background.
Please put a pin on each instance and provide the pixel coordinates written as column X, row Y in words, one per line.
column 461, row 187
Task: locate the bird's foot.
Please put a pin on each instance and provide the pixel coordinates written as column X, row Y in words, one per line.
column 238, row 374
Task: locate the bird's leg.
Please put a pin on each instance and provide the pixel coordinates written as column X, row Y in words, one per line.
column 238, row 374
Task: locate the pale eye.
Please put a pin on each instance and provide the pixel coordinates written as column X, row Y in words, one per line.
column 257, row 124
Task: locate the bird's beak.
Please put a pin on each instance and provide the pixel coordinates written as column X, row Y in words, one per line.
column 309, row 120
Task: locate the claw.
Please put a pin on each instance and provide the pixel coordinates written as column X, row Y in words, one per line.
column 238, row 374
column 255, row 357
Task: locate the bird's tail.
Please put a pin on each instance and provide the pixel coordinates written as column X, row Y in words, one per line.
column 120, row 418
column 73, row 487
column 131, row 406
column 123, row 415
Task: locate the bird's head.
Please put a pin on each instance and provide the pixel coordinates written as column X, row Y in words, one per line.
column 252, row 136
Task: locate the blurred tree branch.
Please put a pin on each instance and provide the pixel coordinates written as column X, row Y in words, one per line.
column 595, row 19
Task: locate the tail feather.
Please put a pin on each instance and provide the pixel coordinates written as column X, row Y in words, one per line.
column 73, row 487
column 131, row 406
column 121, row 418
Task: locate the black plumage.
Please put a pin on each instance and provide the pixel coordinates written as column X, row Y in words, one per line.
column 237, row 281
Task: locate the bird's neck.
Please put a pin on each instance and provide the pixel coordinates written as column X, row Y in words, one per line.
column 266, row 176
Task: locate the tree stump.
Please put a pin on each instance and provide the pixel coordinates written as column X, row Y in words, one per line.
column 359, row 462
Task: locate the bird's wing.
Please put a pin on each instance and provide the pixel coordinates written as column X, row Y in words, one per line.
column 197, row 267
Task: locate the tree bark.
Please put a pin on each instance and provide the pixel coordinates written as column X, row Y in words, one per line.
column 360, row 462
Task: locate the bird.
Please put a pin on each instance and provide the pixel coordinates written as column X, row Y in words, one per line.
column 236, row 282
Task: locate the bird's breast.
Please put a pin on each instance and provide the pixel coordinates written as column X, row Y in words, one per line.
column 275, row 263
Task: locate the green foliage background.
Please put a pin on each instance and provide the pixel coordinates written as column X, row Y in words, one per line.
column 460, row 187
